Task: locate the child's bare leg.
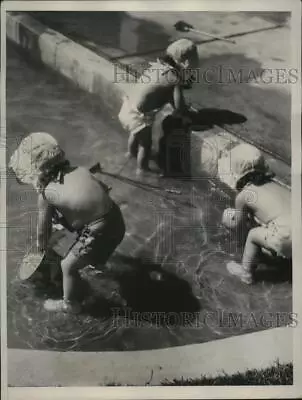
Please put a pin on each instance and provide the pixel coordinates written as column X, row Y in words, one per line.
column 254, row 242
column 132, row 146
column 70, row 269
column 70, row 265
column 144, row 149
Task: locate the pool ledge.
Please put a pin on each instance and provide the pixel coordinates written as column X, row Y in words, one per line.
column 140, row 368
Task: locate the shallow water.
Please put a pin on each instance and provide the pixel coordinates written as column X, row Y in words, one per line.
column 167, row 285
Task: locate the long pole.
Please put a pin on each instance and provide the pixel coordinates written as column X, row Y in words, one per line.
column 212, row 36
column 183, row 26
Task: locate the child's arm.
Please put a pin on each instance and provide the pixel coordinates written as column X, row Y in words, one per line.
column 95, row 170
column 179, row 103
column 234, row 217
column 242, row 209
column 180, row 106
column 173, row 79
column 44, row 225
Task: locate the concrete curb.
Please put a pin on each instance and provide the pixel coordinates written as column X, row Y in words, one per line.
column 140, row 368
column 87, row 70
column 96, row 75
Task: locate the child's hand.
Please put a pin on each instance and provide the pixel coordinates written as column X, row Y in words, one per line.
column 57, row 227
column 229, row 218
column 87, row 242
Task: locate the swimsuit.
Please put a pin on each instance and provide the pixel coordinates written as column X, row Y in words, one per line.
column 133, row 120
column 278, row 237
column 98, row 240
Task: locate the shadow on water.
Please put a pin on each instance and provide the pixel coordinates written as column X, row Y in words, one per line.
column 274, row 270
column 150, row 288
column 132, row 282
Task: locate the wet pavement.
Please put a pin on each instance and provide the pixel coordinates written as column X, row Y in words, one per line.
column 255, row 87
column 167, row 284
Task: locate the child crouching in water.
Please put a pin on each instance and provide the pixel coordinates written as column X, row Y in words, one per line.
column 83, row 202
column 160, row 84
column 263, row 200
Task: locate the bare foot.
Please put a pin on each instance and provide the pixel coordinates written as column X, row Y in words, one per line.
column 162, row 174
column 61, row 306
column 140, row 172
column 237, row 270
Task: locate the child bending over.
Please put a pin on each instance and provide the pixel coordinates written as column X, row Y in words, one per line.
column 81, row 199
column 263, row 200
column 162, row 83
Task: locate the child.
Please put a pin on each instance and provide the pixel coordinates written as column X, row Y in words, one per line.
column 267, row 202
column 81, row 199
column 160, row 84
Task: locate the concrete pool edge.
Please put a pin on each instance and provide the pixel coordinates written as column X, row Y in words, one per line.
column 140, row 368
column 99, row 76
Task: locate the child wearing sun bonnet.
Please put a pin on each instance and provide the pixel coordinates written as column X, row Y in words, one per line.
column 89, row 212
column 258, row 197
column 162, row 83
